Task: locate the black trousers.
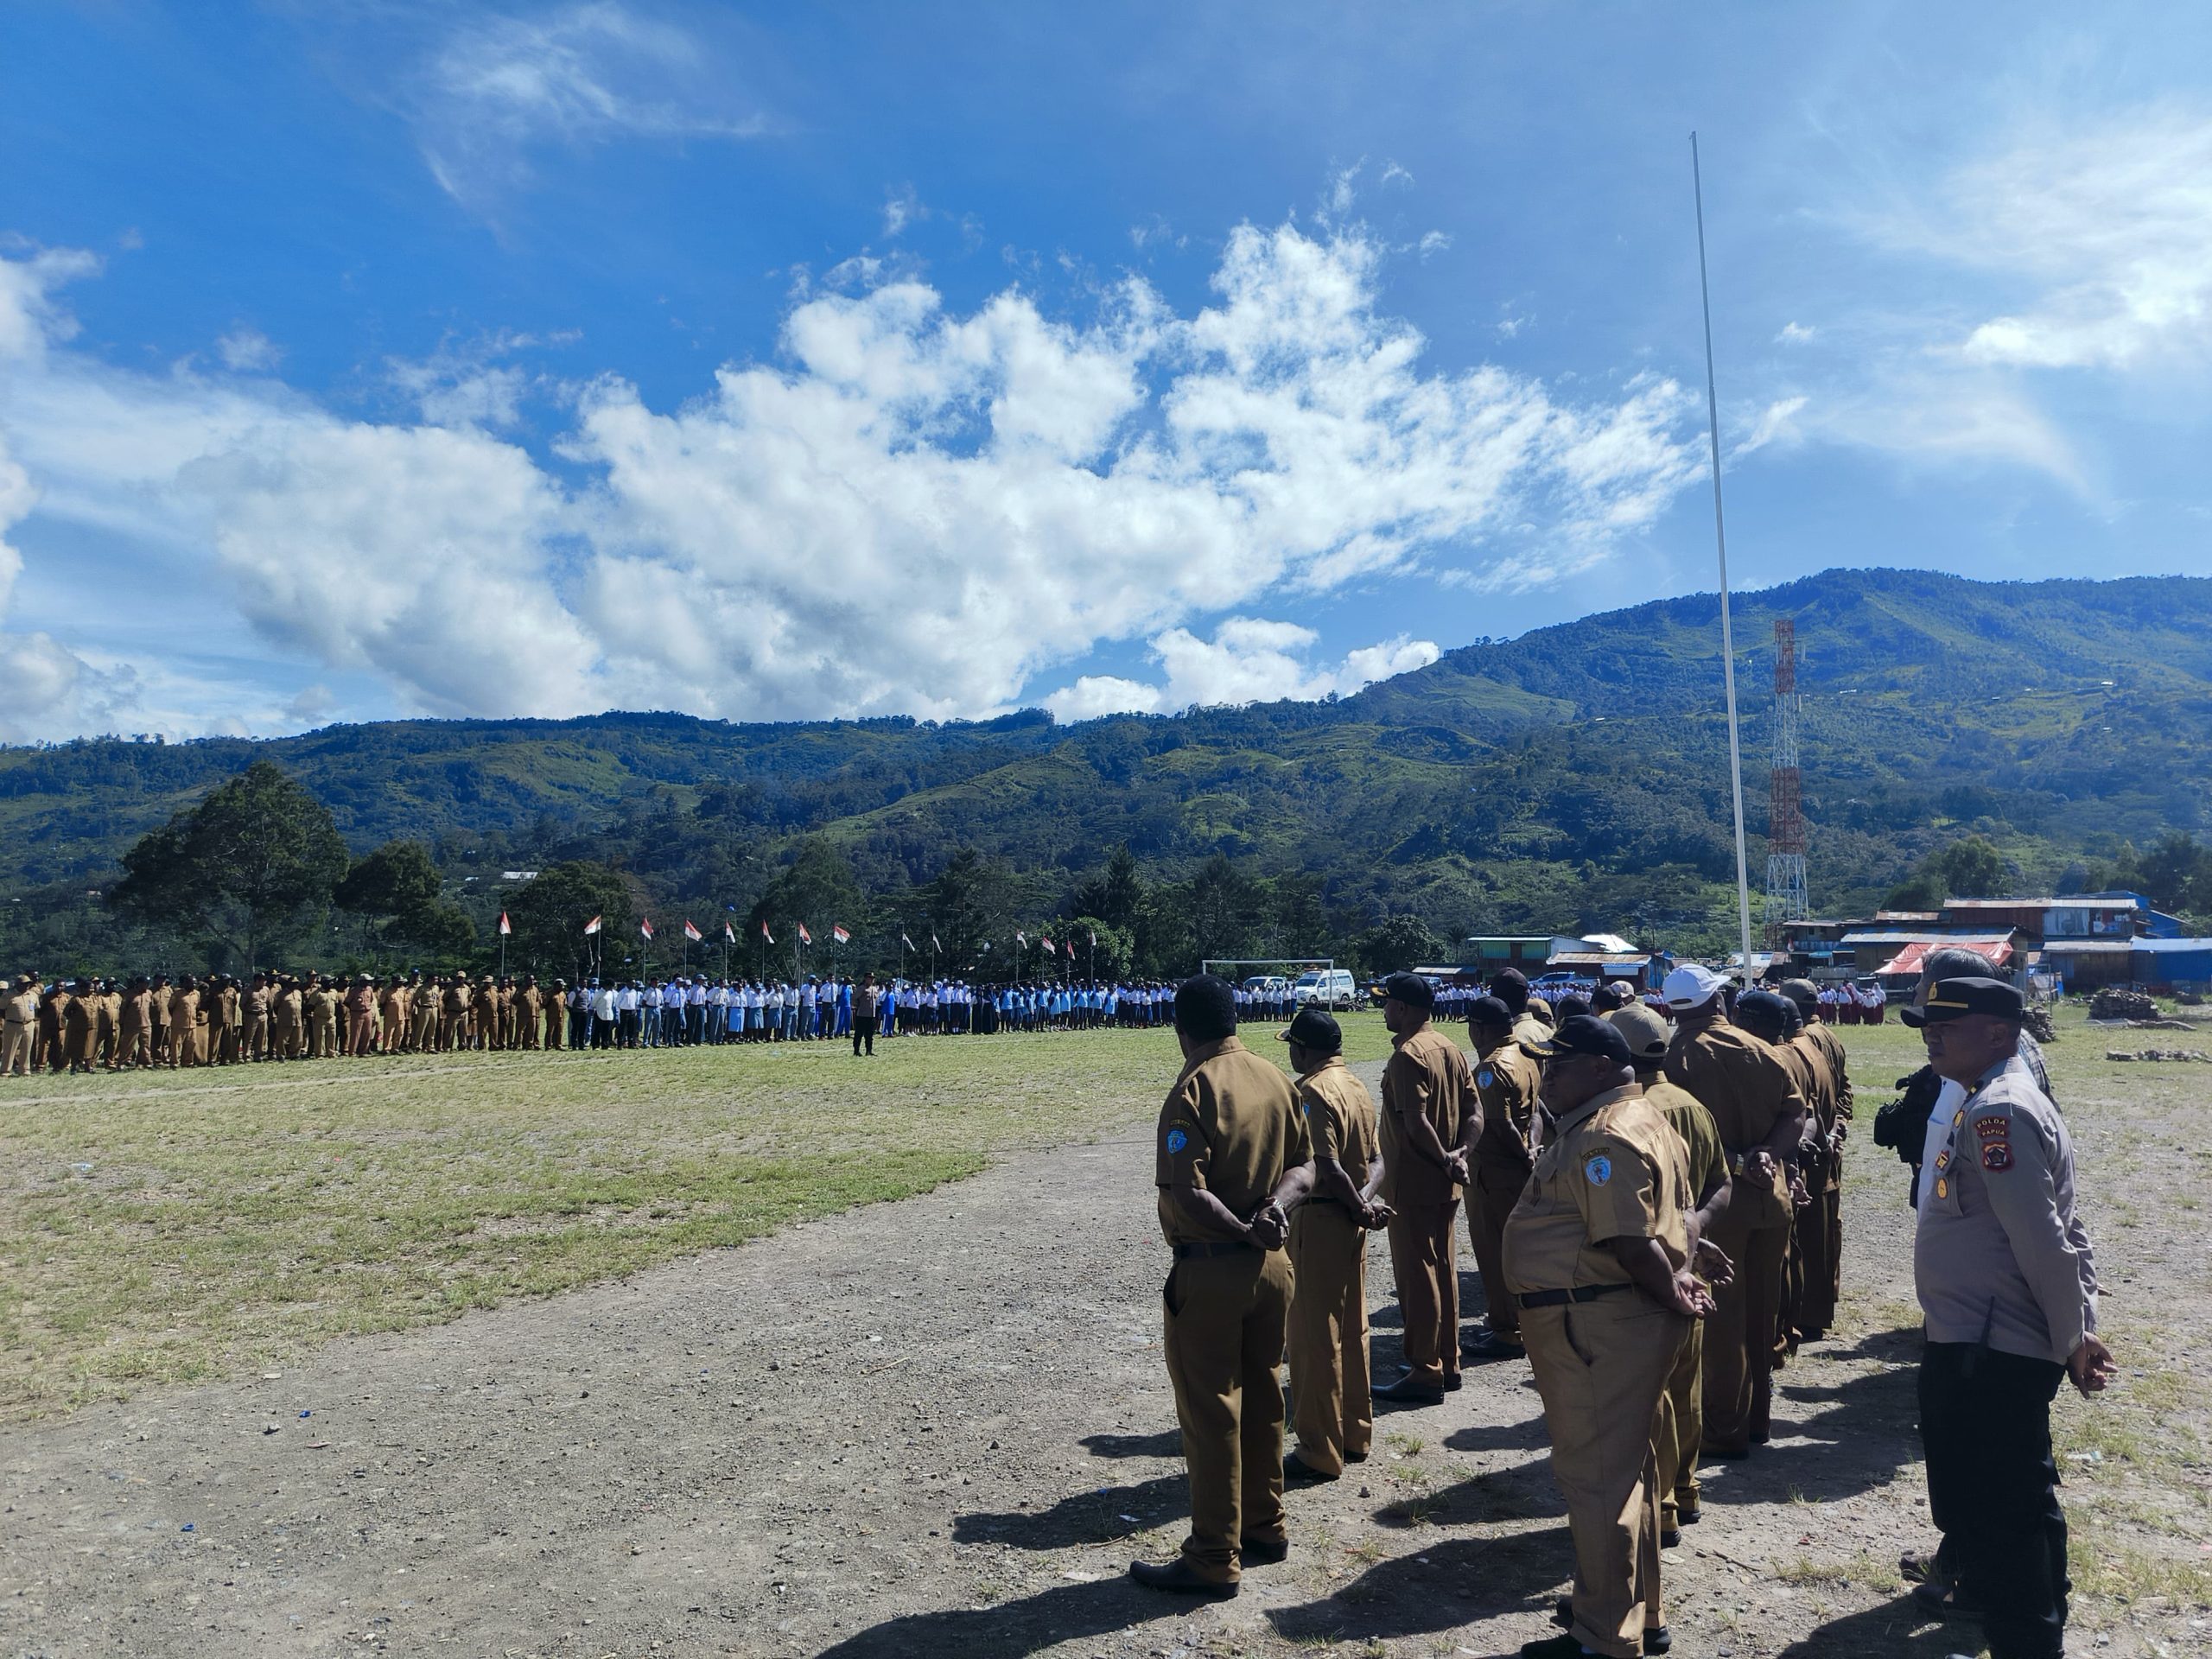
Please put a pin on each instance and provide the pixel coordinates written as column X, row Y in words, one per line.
column 1992, row 1490
column 863, row 1032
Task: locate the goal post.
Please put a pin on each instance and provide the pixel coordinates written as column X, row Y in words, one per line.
column 1297, row 965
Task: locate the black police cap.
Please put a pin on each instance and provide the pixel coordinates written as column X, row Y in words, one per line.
column 1955, row 999
column 1314, row 1028
column 1583, row 1034
column 1411, row 989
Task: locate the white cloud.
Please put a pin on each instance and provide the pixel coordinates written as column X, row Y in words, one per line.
column 248, row 351
column 1777, row 422
column 2111, row 224
column 911, row 511
column 497, row 87
column 1247, row 660
column 1433, row 242
column 902, row 207
column 1795, row 334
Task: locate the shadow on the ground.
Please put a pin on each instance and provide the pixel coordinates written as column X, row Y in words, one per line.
column 1861, row 1433
column 1895, row 1629
column 1167, row 1444
column 1454, row 1581
column 1030, row 1625
column 1096, row 1517
column 1523, row 1492
column 1527, row 1435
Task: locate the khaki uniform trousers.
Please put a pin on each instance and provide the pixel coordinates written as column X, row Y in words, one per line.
column 1791, row 1300
column 1678, row 1433
column 257, row 1036
column 1225, row 1316
column 131, row 1044
column 1331, row 1390
column 1424, row 1252
column 1601, row 1368
column 1820, row 1232
column 1496, row 1189
column 556, row 1024
column 286, row 1046
column 1740, row 1334
column 426, row 1030
column 16, row 1054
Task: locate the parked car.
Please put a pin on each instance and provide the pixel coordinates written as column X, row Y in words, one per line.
column 1333, row 987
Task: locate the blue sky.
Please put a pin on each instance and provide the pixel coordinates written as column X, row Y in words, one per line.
column 777, row 362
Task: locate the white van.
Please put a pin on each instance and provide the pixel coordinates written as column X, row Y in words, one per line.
column 1333, row 987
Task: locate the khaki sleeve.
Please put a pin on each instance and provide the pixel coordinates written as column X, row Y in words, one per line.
column 1184, row 1147
column 1405, row 1086
column 1617, row 1190
column 1298, row 1146
column 1323, row 1126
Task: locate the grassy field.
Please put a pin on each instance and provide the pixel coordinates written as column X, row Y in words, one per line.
column 165, row 1226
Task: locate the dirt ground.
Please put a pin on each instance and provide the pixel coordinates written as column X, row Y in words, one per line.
column 941, row 1427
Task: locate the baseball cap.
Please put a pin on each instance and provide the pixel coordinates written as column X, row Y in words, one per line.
column 1411, row 989
column 1582, row 1033
column 1645, row 1031
column 1802, row 992
column 1490, row 1011
column 1314, row 1028
column 1955, row 999
column 1691, row 985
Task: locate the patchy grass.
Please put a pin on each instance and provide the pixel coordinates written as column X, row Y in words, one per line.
column 1863, row 1569
column 165, row 1227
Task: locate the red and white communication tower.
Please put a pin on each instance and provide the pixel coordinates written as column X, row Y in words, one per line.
column 1785, row 836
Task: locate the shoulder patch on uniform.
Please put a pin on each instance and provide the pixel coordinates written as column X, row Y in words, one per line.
column 1991, row 1126
column 1997, row 1156
column 1177, row 1140
column 1598, row 1168
column 1485, row 1077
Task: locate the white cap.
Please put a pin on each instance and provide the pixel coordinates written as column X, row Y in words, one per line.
column 1690, row 987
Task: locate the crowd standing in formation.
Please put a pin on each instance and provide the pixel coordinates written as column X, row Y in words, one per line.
column 91, row 1025
column 1653, row 1193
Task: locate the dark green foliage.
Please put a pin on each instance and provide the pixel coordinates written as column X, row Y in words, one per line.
column 257, row 860
column 548, row 916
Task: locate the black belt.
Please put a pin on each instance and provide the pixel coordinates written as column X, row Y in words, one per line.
column 1560, row 1298
column 1227, row 1247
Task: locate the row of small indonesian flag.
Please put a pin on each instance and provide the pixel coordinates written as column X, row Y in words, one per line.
column 837, row 933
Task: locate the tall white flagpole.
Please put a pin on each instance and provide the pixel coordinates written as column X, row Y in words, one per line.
column 1721, row 541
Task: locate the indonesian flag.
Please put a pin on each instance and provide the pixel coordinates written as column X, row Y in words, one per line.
column 837, row 933
column 1021, row 938
column 730, row 933
column 592, row 926
column 1094, row 938
column 903, row 940
column 691, row 932
column 1045, row 939
column 645, row 927
column 804, row 938
column 765, row 933
column 934, row 945
column 1071, row 949
column 505, row 926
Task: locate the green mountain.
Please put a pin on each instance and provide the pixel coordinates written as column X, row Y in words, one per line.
column 1573, row 777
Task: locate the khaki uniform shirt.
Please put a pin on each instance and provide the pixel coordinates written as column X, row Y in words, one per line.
column 1612, row 1169
column 1507, row 1080
column 22, row 1008
column 1229, row 1127
column 1340, row 1125
column 1427, row 1076
column 1686, row 1115
column 1746, row 1087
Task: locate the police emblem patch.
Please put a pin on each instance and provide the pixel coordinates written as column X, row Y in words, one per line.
column 1599, row 1169
column 1942, row 1189
column 1177, row 1140
column 1485, row 1077
column 1997, row 1156
column 1992, row 1127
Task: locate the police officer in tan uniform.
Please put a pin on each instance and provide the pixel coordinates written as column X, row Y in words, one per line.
column 1430, row 1116
column 131, row 1048
column 1680, row 1428
column 1760, row 1114
column 1820, row 1232
column 556, row 1015
column 20, row 1015
column 1773, row 1020
column 1232, row 1154
column 1329, row 1376
column 1507, row 1080
column 1597, row 1253
column 184, row 1023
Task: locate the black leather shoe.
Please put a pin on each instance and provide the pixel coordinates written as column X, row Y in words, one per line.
column 1263, row 1552
column 1176, row 1578
column 1296, row 1471
column 1670, row 1538
column 1484, row 1350
column 1657, row 1639
column 1406, row 1392
column 1553, row 1647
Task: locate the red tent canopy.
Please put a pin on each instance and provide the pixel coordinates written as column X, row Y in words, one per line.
column 1997, row 947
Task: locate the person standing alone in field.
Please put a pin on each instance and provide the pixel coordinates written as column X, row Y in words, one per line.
column 1232, row 1156
column 1329, row 1376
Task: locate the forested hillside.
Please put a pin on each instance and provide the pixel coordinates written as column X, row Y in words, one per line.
column 1574, row 778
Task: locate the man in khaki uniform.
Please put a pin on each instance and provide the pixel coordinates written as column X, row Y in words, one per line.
column 1232, row 1154
column 77, row 1027
column 157, row 1018
column 427, row 1005
column 1773, row 1020
column 107, row 1017
column 1507, row 1080
column 286, row 1007
column 1597, row 1253
column 362, row 1017
column 391, row 1013
column 530, row 1013
column 19, row 1023
column 1329, row 1376
column 46, row 1044
column 131, row 1048
column 1757, row 1107
column 452, row 1029
column 556, row 1015
column 256, row 1045
column 1680, row 1429
column 1820, row 1232
column 1511, row 987
column 184, row 1022
column 485, row 1006
column 1428, row 1101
